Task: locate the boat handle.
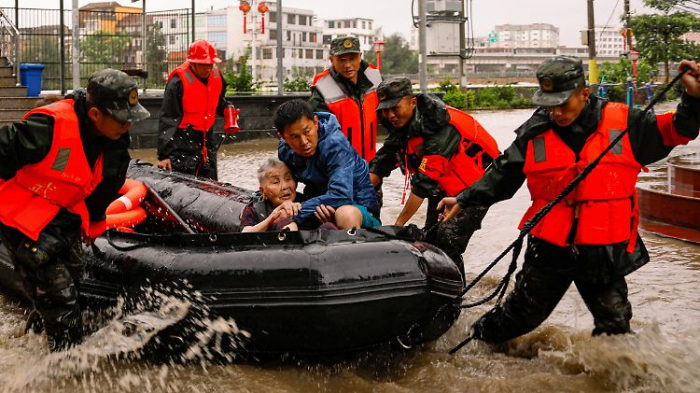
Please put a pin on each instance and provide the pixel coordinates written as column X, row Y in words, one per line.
column 281, row 236
column 352, row 231
column 213, row 238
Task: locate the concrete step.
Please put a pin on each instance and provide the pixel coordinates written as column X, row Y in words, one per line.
column 16, row 91
column 6, row 71
column 12, row 114
column 25, row 103
column 7, row 81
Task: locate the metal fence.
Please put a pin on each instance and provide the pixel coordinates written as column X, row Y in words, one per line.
column 107, row 39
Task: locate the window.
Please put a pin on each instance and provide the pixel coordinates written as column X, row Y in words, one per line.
column 273, row 16
column 331, row 24
column 319, row 54
column 303, row 37
column 217, row 20
column 173, row 23
column 273, row 34
column 291, row 19
column 289, row 35
column 300, row 54
column 354, row 24
column 327, row 38
column 370, row 25
column 314, row 37
column 309, row 53
column 171, row 39
column 217, row 37
column 267, row 53
column 302, row 19
column 364, row 25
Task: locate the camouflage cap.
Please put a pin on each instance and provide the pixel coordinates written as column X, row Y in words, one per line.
column 345, row 44
column 391, row 91
column 558, row 77
column 116, row 93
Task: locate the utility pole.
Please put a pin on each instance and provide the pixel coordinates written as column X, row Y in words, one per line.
column 144, row 44
column 592, row 64
column 75, row 58
column 62, row 43
column 628, row 25
column 462, row 45
column 192, row 22
column 280, row 50
column 422, row 55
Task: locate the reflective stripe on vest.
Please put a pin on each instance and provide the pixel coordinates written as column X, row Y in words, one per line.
column 63, row 179
column 466, row 165
column 604, row 203
column 199, row 101
column 359, row 124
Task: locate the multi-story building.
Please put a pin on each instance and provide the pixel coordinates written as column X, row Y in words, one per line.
column 92, row 16
column 609, row 41
column 302, row 41
column 362, row 28
column 535, row 35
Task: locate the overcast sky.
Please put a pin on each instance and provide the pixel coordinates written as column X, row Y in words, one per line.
column 395, row 15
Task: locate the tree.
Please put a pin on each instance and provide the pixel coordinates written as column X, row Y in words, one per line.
column 105, row 48
column 243, row 82
column 659, row 35
column 156, row 57
column 397, row 58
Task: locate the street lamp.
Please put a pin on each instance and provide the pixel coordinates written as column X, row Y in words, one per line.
column 378, row 49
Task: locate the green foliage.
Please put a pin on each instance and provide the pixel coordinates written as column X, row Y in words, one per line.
column 619, row 72
column 243, row 81
column 447, row 86
column 156, row 57
column 500, row 97
column 299, row 83
column 456, row 99
column 397, row 58
column 105, row 48
column 659, row 35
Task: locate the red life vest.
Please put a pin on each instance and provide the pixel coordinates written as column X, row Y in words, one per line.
column 358, row 122
column 605, row 203
column 199, row 101
column 63, row 179
column 466, row 165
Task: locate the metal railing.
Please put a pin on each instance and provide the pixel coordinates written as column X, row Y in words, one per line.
column 9, row 42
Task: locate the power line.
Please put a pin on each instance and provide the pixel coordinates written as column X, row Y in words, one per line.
column 608, row 22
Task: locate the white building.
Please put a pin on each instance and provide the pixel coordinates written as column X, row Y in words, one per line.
column 304, row 52
column 535, row 35
column 362, row 28
column 609, row 41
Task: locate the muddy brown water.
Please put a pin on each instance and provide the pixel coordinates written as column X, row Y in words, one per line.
column 663, row 355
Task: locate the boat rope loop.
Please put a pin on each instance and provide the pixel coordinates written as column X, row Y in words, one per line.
column 516, row 246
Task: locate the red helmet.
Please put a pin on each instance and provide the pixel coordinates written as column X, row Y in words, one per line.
column 202, row 52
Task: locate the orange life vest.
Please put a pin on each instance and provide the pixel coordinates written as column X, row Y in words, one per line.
column 63, row 179
column 357, row 120
column 466, row 165
column 199, row 101
column 604, row 203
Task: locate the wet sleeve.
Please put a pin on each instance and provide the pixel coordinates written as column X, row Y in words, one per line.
column 503, row 177
column 24, row 143
column 386, row 158
column 116, row 162
column 339, row 165
column 249, row 217
column 654, row 136
column 170, row 117
column 438, row 147
column 317, row 102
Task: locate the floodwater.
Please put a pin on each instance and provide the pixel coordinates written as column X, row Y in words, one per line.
column 663, row 355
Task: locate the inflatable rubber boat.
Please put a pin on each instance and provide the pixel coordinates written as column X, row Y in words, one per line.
column 306, row 292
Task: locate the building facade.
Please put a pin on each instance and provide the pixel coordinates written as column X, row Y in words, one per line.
column 362, row 28
column 535, row 35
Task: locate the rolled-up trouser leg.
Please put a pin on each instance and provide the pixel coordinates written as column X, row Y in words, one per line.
column 453, row 236
column 535, row 295
column 609, row 305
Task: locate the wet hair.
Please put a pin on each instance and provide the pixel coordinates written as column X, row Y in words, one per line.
column 290, row 112
column 269, row 163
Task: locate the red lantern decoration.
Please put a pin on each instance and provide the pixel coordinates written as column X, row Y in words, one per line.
column 245, row 8
column 263, row 8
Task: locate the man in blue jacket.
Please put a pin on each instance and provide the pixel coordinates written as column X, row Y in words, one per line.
column 336, row 177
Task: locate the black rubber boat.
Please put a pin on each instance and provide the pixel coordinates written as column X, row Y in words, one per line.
column 307, row 292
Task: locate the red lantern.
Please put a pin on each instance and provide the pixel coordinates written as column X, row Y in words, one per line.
column 245, row 8
column 263, row 8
